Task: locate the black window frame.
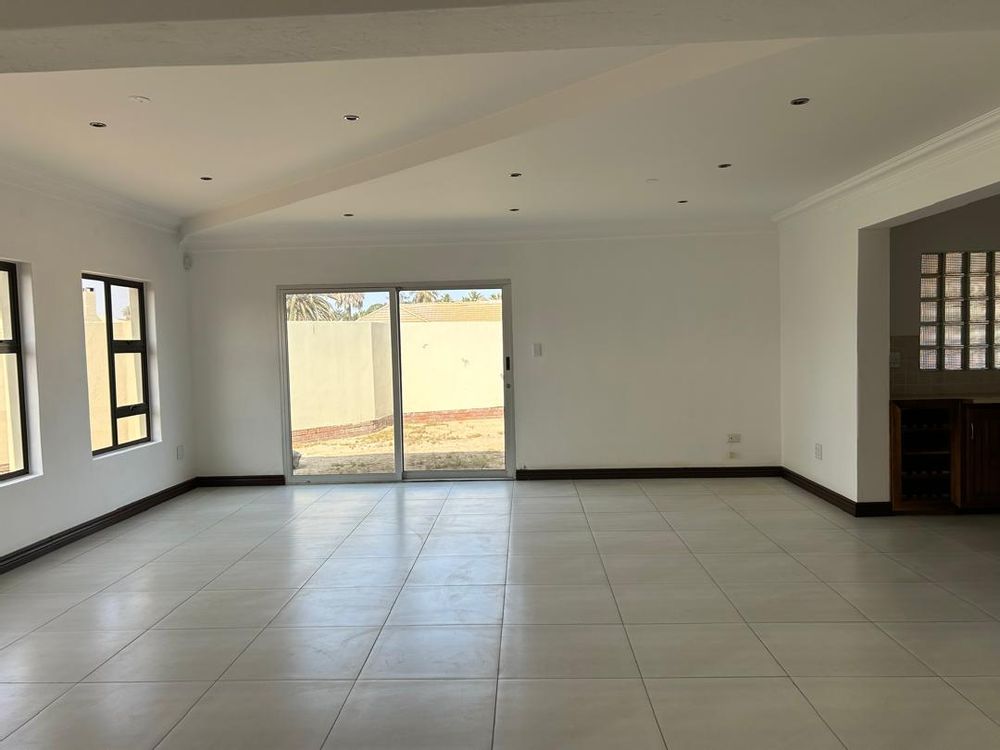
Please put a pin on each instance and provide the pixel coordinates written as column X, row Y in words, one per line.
column 132, row 346
column 14, row 345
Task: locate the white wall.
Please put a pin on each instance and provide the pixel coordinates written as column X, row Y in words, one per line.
column 58, row 240
column 831, row 373
column 654, row 349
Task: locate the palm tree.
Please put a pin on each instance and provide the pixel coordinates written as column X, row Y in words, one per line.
column 424, row 295
column 309, row 307
column 348, row 303
column 495, row 295
column 473, row 296
column 446, row 297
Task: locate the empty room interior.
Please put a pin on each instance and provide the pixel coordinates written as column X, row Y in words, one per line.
column 500, row 375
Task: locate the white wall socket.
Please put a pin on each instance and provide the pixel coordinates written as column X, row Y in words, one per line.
column 818, row 451
column 734, row 437
column 180, row 452
column 536, row 349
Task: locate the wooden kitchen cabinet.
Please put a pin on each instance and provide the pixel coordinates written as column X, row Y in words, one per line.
column 981, row 464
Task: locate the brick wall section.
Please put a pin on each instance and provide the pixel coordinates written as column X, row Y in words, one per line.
column 332, row 432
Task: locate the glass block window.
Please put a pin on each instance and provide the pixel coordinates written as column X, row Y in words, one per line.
column 959, row 311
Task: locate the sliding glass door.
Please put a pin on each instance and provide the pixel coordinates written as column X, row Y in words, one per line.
column 397, row 382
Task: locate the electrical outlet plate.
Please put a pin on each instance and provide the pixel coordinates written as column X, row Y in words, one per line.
column 818, row 451
column 734, row 437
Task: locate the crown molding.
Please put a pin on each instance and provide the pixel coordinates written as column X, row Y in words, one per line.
column 327, row 240
column 61, row 187
column 975, row 135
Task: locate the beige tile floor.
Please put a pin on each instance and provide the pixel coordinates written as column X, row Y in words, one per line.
column 687, row 614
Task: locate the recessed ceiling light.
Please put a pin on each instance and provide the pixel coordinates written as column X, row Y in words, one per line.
column 206, row 178
column 515, row 174
column 652, row 179
column 682, row 201
column 799, row 101
column 139, row 99
column 725, row 166
column 352, row 118
column 348, row 215
column 513, row 210
column 98, row 124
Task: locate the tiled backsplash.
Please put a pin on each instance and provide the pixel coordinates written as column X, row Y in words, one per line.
column 909, row 380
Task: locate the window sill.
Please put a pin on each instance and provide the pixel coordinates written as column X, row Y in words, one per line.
column 129, row 449
column 19, row 479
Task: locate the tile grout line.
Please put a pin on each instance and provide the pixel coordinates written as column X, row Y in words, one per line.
column 756, row 635
column 503, row 613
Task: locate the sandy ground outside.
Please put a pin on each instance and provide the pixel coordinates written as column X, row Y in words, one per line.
column 449, row 445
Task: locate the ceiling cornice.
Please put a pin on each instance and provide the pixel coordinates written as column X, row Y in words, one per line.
column 60, row 187
column 979, row 133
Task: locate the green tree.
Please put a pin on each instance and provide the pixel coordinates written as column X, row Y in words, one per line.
column 495, row 296
column 422, row 295
column 348, row 304
column 445, row 297
column 309, row 307
column 473, row 296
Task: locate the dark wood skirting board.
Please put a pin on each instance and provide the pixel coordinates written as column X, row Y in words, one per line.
column 847, row 505
column 681, row 472
column 250, row 480
column 68, row 536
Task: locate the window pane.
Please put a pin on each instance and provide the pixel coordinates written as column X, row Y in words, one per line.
column 132, row 428
column 928, row 359
column 928, row 335
column 953, row 263
column 953, row 286
column 977, row 310
column 953, row 359
column 977, row 334
column 977, row 262
column 928, row 287
column 977, row 359
column 128, row 379
column 928, row 312
column 929, row 263
column 978, row 285
column 127, row 323
column 11, row 444
column 98, row 385
column 953, row 312
column 6, row 317
column 953, row 335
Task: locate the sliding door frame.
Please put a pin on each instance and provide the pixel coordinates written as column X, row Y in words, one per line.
column 394, row 290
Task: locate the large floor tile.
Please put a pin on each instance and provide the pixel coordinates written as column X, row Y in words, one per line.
column 18, row 703
column 417, row 715
column 546, row 505
column 566, row 569
column 24, row 612
column 458, row 570
column 676, row 568
column 750, row 713
column 494, row 543
column 752, row 567
column 125, row 610
column 724, row 541
column 577, row 714
column 899, row 713
column 361, row 571
column 667, row 603
column 71, row 578
column 170, row 576
column 228, row 609
column 710, row 518
column 648, row 521
column 569, row 604
column 475, row 506
column 849, row 567
column 434, row 652
column 108, row 717
column 464, row 523
column 818, row 540
column 982, row 691
column 169, row 655
column 265, row 574
column 544, row 488
column 667, row 487
column 908, row 601
column 566, row 651
column 638, row 542
column 790, row 602
column 638, row 503
column 715, row 650
column 260, row 716
column 60, row 657
column 952, row 648
column 837, row 649
column 365, row 605
column 383, row 545
column 448, row 605
column 304, row 654
column 530, row 522
column 555, row 543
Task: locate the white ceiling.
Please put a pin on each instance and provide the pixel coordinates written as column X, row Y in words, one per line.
column 260, row 128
